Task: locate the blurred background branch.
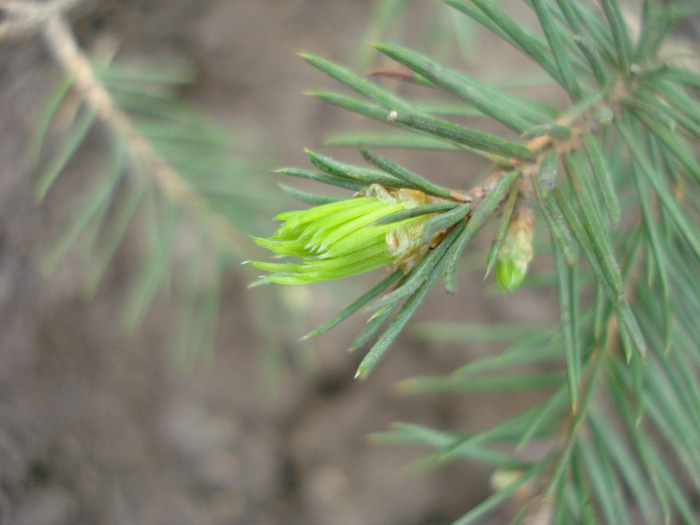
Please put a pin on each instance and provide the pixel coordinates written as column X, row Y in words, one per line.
column 25, row 19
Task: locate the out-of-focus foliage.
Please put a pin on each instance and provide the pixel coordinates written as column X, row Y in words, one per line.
column 173, row 180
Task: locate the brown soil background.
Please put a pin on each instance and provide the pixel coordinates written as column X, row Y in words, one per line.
column 98, row 427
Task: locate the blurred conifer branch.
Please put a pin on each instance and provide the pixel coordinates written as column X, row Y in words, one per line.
column 173, row 175
column 23, row 19
column 61, row 43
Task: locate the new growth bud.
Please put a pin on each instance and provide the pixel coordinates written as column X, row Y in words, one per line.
column 340, row 239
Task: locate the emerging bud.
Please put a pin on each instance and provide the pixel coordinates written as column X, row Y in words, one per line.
column 339, row 239
column 516, row 252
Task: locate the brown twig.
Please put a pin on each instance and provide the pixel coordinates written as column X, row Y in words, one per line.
column 403, row 74
column 25, row 19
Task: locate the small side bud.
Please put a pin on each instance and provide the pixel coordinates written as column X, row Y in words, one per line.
column 516, row 252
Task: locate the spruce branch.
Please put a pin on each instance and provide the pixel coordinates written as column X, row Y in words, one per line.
column 615, row 177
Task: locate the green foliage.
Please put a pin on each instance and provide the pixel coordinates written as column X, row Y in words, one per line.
column 614, row 178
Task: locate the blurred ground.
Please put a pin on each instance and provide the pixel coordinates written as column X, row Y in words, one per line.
column 97, row 427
